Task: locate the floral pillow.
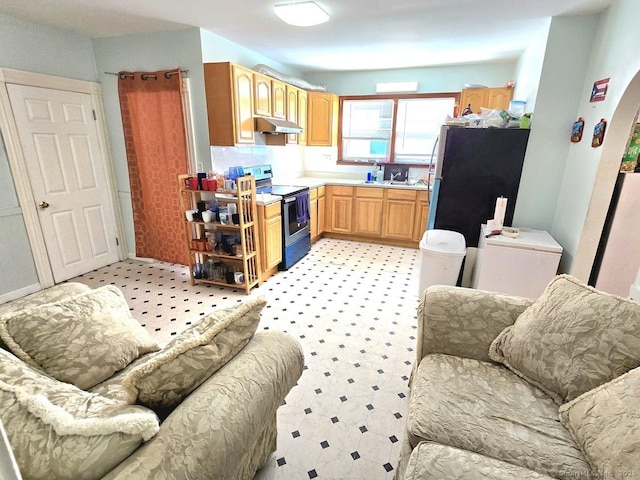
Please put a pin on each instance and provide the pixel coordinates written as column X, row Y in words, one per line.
column 81, row 339
column 572, row 339
column 57, row 430
column 605, row 422
column 167, row 377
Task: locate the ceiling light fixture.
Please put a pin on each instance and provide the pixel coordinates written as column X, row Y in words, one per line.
column 301, row 14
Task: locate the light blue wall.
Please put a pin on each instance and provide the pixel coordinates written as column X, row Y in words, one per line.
column 38, row 49
column 430, row 79
column 565, row 64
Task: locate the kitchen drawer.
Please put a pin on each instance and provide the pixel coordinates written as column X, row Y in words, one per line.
column 342, row 190
column 313, row 193
column 272, row 210
column 369, row 192
column 422, row 196
column 321, row 191
column 401, row 194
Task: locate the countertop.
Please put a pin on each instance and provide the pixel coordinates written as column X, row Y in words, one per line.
column 315, row 182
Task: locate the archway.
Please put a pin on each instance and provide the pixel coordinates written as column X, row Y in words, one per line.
column 617, row 138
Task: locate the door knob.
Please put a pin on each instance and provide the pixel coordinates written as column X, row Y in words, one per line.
column 43, row 205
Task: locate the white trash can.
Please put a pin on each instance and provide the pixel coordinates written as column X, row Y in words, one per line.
column 442, row 252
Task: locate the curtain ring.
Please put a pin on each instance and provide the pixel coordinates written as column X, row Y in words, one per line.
column 123, row 76
column 167, row 75
column 145, row 76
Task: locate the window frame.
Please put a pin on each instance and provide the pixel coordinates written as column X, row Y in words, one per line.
column 394, row 118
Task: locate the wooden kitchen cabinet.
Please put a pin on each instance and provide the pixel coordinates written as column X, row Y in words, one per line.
column 313, row 214
column 303, row 109
column 340, row 208
column 422, row 216
column 399, row 214
column 279, row 99
column 229, row 94
column 369, row 202
column 322, row 119
column 292, row 111
column 321, row 209
column 494, row 98
column 270, row 227
column 262, row 95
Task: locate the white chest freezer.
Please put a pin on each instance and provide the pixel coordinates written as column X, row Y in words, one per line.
column 520, row 266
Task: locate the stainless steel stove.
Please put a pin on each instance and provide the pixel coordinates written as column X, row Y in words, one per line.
column 294, row 206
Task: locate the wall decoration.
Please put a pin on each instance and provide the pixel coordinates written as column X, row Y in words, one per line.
column 598, row 133
column 576, row 130
column 599, row 90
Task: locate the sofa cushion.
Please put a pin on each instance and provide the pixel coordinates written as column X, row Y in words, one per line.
column 165, row 378
column 47, row 295
column 572, row 339
column 484, row 408
column 58, row 431
column 432, row 461
column 82, row 339
column 605, row 422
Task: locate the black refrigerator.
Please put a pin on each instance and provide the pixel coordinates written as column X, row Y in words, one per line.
column 473, row 167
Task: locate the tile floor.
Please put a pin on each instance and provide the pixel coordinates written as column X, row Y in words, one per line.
column 352, row 306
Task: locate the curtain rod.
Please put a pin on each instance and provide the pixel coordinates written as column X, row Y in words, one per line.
column 167, row 74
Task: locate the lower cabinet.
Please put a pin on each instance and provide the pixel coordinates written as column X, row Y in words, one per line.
column 394, row 216
column 340, row 209
column 399, row 214
column 270, row 225
column 368, row 211
column 321, row 209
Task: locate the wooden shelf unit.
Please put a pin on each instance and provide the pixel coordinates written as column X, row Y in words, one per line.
column 247, row 258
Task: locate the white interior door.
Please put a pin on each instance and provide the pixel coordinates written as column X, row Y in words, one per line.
column 59, row 139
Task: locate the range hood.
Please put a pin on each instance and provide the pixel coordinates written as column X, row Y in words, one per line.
column 275, row 126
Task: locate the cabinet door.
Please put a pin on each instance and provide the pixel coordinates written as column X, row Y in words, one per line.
column 322, row 119
column 279, row 99
column 399, row 217
column 477, row 97
column 292, row 111
column 313, row 218
column 499, row 98
column 243, row 104
column 302, row 116
column 321, row 210
column 422, row 216
column 273, row 244
column 261, row 95
column 368, row 216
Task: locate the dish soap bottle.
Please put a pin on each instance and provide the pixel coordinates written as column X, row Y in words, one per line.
column 379, row 174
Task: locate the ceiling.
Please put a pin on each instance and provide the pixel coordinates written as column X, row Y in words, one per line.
column 361, row 34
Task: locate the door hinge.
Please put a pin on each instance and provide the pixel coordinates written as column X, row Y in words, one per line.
column 94, row 115
column 117, row 241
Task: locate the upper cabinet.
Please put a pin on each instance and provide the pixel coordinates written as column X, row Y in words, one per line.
column 322, row 119
column 236, row 95
column 261, row 95
column 494, row 98
column 279, row 99
column 229, row 93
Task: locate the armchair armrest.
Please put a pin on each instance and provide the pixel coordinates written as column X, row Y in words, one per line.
column 463, row 322
column 218, row 431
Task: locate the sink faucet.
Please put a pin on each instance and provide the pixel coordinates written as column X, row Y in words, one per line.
column 393, row 175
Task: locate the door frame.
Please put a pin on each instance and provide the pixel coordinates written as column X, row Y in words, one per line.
column 18, row 165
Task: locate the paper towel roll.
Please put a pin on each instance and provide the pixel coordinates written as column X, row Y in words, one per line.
column 501, row 210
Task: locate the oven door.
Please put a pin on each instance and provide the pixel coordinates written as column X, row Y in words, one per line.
column 292, row 229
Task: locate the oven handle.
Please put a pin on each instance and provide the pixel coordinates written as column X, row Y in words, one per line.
column 289, row 199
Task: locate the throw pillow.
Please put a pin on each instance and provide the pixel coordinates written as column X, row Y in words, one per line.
column 572, row 339
column 604, row 423
column 167, row 377
column 82, row 339
column 58, row 431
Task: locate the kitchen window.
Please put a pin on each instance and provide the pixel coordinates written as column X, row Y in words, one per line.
column 392, row 128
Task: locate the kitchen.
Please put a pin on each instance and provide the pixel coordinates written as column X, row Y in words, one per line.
column 554, row 86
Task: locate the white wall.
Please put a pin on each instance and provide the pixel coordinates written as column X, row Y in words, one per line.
column 590, row 172
column 430, row 79
column 528, row 70
column 33, row 48
column 560, row 88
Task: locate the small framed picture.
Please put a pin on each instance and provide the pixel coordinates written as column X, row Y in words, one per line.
column 576, row 130
column 598, row 133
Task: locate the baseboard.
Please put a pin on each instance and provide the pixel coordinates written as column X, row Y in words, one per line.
column 7, row 297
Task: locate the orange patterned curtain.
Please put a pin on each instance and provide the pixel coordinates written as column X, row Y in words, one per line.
column 153, row 119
